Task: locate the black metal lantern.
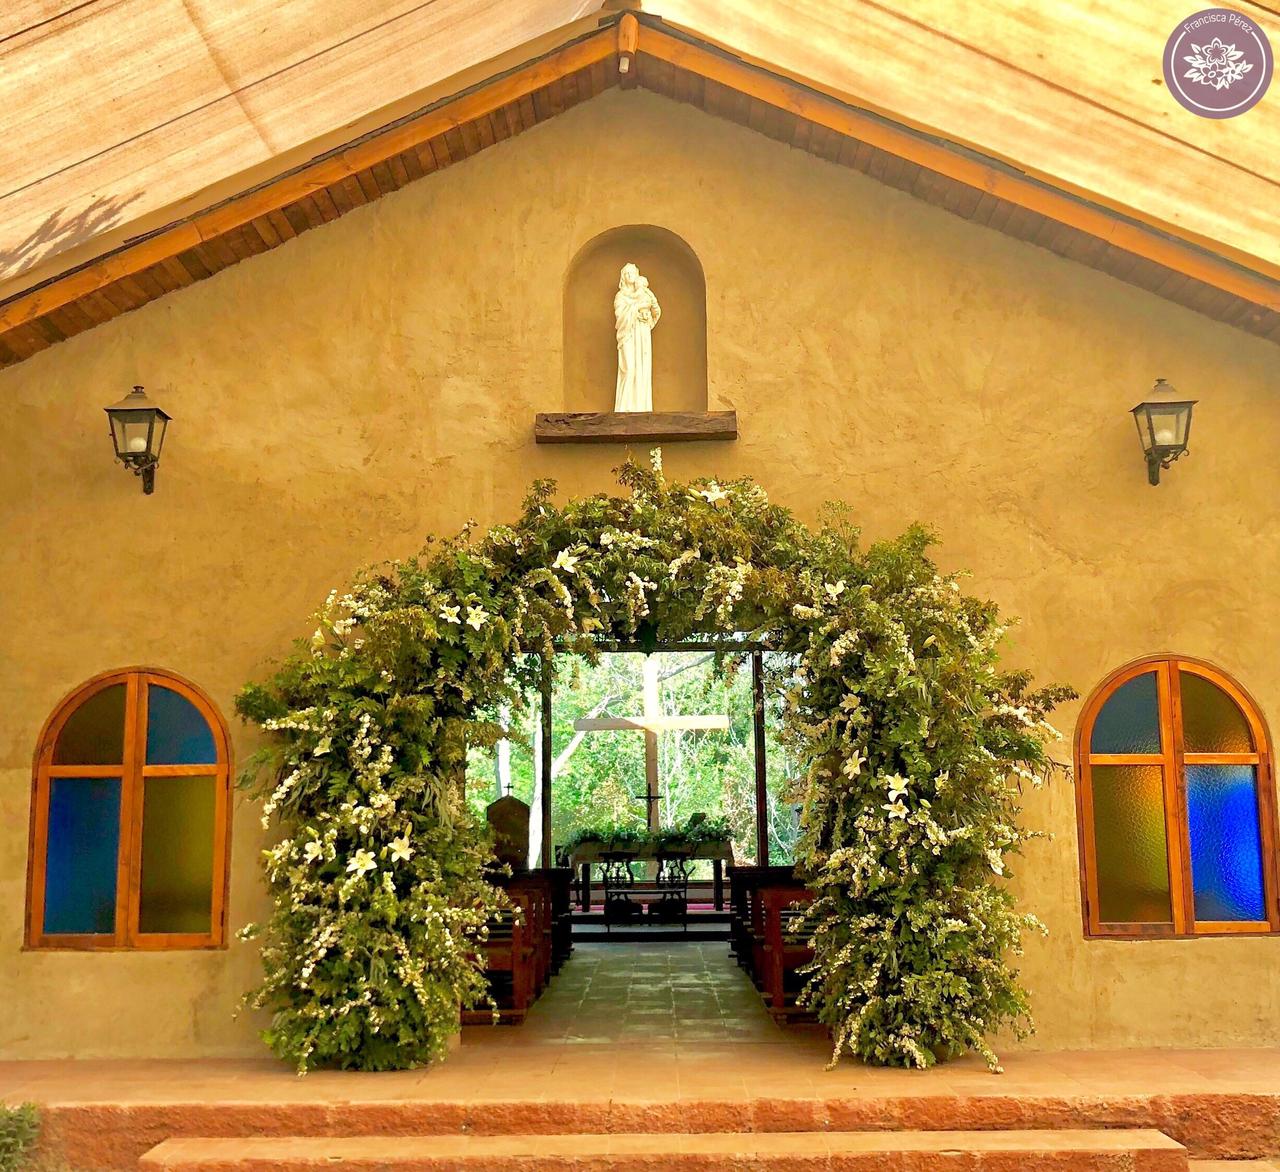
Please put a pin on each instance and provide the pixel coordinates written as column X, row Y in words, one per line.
column 1164, row 426
column 137, row 432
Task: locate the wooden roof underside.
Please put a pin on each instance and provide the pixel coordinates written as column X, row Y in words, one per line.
column 683, row 68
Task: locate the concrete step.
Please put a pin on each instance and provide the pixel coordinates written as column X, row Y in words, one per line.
column 1122, row 1150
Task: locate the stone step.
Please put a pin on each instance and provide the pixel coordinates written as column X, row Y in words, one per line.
column 1127, row 1150
column 1235, row 1166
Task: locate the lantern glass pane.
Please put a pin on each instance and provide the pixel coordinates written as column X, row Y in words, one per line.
column 1141, row 418
column 1168, row 425
column 157, row 436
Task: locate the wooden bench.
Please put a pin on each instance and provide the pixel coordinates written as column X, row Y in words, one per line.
column 510, row 948
column 746, row 919
column 785, row 947
column 526, row 942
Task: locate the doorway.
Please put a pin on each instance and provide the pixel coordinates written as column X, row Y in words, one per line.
column 649, row 774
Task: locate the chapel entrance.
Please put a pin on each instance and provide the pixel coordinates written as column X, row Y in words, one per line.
column 647, row 777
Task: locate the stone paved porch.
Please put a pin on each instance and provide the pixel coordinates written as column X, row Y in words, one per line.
column 655, row 1039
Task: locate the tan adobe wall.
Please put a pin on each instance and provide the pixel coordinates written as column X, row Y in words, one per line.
column 376, row 380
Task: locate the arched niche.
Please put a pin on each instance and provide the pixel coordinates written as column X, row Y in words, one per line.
column 679, row 341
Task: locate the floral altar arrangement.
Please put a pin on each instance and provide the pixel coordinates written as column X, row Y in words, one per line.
column 697, row 831
column 914, row 744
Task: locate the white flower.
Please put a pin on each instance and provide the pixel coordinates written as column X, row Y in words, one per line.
column 607, row 537
column 362, row 862
column 450, row 613
column 895, row 809
column 477, row 616
column 853, row 765
column 565, row 561
column 995, row 860
column 401, row 851
column 834, row 590
column 713, row 494
column 312, row 851
column 897, row 787
column 326, row 743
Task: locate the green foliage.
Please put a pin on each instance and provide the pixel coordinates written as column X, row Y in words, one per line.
column 697, row 830
column 19, row 1130
column 913, row 744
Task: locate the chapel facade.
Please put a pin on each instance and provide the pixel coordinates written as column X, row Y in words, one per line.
column 378, row 344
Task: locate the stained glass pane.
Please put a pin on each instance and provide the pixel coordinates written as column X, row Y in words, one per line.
column 177, row 854
column 1226, row 848
column 176, row 732
column 1211, row 720
column 80, row 866
column 94, row 733
column 1129, row 838
column 1130, row 719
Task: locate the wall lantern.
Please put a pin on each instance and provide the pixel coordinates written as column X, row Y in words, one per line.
column 1164, row 427
column 137, row 431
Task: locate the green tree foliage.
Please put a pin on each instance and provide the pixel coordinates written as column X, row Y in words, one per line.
column 913, row 744
column 598, row 776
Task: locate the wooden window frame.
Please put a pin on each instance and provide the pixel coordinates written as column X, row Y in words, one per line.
column 1172, row 761
column 132, row 771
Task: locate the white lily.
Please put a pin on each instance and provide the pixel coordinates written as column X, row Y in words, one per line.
column 362, row 862
column 565, row 561
column 477, row 616
column 451, row 614
column 401, row 851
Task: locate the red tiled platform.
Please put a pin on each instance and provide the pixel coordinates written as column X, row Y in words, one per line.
column 914, row 1151
column 651, row 1039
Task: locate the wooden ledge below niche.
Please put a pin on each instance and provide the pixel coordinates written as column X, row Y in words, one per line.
column 625, row 427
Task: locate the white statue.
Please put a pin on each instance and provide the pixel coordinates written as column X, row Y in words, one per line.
column 635, row 313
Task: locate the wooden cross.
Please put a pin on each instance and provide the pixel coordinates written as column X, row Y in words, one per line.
column 651, row 723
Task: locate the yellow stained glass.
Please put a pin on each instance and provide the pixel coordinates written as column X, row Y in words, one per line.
column 1211, row 721
column 1130, row 844
column 177, row 854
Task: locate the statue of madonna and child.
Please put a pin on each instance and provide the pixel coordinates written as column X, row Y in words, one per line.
column 635, row 312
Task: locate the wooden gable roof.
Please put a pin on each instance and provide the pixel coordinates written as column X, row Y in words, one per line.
column 630, row 50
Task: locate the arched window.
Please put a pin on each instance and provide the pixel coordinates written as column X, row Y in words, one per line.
column 130, row 817
column 1177, row 821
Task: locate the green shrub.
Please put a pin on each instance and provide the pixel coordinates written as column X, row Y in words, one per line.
column 19, row 1129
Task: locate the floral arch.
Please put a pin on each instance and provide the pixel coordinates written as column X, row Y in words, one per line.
column 915, row 745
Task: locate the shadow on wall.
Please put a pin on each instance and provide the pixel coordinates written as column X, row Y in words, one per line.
column 679, row 340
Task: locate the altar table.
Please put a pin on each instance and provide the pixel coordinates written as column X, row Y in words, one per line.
column 586, row 853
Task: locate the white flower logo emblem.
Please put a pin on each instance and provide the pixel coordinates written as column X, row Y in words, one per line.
column 1216, row 64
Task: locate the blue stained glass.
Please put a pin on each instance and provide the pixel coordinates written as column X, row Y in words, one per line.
column 80, row 866
column 176, row 732
column 1130, row 719
column 1226, row 849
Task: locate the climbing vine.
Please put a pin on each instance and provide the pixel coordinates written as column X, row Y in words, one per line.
column 915, row 745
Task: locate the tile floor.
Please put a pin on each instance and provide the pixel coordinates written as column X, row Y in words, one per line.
column 648, row 993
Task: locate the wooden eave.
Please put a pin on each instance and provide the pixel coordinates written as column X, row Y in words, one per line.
column 641, row 52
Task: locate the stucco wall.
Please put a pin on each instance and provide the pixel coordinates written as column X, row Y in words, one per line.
column 376, row 380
